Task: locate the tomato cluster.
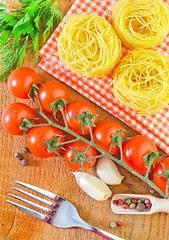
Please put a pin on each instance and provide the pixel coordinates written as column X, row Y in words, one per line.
column 134, row 149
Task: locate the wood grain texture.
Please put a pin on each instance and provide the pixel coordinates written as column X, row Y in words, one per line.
column 54, row 175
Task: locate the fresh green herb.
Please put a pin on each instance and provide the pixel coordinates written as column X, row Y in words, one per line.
column 21, row 31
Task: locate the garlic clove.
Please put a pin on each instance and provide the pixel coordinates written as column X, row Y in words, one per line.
column 93, row 186
column 108, row 172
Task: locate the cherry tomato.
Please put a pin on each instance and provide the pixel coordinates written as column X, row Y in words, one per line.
column 134, row 151
column 38, row 135
column 21, row 80
column 102, row 135
column 13, row 116
column 51, row 91
column 75, row 108
column 80, row 147
column 160, row 181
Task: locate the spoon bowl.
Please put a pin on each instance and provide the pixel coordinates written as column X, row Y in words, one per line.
column 157, row 204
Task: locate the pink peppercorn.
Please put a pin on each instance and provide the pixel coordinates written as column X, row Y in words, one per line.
column 148, row 205
column 121, row 201
column 125, row 205
column 134, row 200
column 119, row 224
column 116, row 202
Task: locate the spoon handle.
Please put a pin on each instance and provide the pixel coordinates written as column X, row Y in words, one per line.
column 161, row 205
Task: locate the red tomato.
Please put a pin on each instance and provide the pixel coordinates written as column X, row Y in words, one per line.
column 38, row 135
column 80, row 147
column 75, row 108
column 134, row 151
column 160, row 181
column 102, row 135
column 13, row 116
column 21, row 80
column 50, row 92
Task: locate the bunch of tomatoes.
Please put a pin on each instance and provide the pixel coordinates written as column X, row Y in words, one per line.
column 134, row 149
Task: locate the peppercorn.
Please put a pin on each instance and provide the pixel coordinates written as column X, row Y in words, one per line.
column 129, row 185
column 128, row 201
column 116, row 202
column 113, row 224
column 25, row 150
column 24, row 163
column 16, row 155
column 20, row 157
column 146, row 201
column 148, row 205
column 134, row 200
column 140, row 207
column 125, row 205
column 132, row 206
column 151, row 191
column 119, row 224
column 121, row 201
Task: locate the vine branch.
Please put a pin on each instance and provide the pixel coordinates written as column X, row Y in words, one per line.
column 116, row 139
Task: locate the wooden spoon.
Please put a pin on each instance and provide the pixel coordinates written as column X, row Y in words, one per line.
column 158, row 204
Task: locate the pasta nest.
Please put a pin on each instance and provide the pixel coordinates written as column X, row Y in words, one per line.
column 141, row 81
column 141, row 23
column 88, row 45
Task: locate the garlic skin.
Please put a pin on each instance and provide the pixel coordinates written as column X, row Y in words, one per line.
column 108, row 172
column 93, row 186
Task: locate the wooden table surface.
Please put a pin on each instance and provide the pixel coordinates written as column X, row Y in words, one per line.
column 54, row 175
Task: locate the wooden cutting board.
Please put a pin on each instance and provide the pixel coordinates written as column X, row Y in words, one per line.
column 54, row 175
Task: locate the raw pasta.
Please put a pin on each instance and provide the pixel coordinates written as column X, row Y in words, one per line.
column 141, row 23
column 88, row 45
column 141, row 81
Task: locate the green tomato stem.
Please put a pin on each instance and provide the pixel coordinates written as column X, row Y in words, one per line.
column 98, row 156
column 41, row 125
column 121, row 153
column 64, row 118
column 67, row 142
column 36, row 94
column 166, row 191
column 148, row 170
column 91, row 133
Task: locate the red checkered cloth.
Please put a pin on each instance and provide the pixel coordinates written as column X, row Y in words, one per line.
column 98, row 90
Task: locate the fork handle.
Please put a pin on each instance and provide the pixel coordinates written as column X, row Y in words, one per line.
column 104, row 234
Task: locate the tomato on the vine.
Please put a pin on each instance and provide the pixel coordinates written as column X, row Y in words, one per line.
column 50, row 92
column 13, row 116
column 21, row 80
column 76, row 108
column 38, row 135
column 102, row 135
column 80, row 147
column 134, row 151
column 161, row 181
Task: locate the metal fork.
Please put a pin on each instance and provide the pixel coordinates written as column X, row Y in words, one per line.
column 61, row 213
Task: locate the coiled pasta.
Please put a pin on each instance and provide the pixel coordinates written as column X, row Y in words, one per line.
column 88, row 45
column 141, row 81
column 141, row 23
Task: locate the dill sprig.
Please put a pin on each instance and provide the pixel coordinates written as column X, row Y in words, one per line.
column 21, row 31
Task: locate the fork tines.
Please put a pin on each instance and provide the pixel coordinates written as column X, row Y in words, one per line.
column 44, row 201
